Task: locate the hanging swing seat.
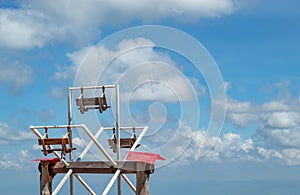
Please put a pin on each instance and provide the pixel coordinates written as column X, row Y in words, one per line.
column 64, row 142
column 85, row 104
column 124, row 143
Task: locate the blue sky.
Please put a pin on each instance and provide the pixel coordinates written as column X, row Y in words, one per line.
column 255, row 45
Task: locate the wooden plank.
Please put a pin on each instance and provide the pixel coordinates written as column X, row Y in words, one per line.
column 102, row 167
column 124, row 142
column 88, row 101
column 53, row 141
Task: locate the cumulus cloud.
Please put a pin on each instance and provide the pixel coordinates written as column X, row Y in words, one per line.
column 28, row 27
column 9, row 164
column 19, row 160
column 278, row 113
column 22, row 28
column 241, row 120
column 24, row 155
column 280, row 137
column 277, row 137
column 16, row 76
column 291, row 156
column 142, row 72
column 8, row 134
column 37, row 23
column 103, row 12
column 232, row 148
column 277, row 121
column 282, row 119
column 229, row 147
column 281, row 111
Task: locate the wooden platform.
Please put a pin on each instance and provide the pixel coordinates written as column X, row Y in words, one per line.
column 103, row 167
column 142, row 170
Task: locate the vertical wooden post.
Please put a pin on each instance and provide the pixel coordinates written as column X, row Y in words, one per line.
column 142, row 179
column 46, row 177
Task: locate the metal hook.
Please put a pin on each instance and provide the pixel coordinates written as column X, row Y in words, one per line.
column 103, row 89
column 114, row 133
column 81, row 91
column 133, row 132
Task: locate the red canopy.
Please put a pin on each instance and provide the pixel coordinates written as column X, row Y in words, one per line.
column 53, row 160
column 144, row 157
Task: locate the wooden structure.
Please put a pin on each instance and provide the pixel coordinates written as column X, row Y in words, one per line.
column 115, row 165
column 46, row 176
column 141, row 169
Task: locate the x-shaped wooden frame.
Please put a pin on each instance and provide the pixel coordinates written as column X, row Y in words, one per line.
column 100, row 147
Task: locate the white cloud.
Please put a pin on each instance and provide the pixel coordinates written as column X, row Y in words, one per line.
column 240, row 114
column 277, row 121
column 282, row 112
column 22, row 28
column 279, row 132
column 9, row 164
column 280, row 138
column 291, row 156
column 8, row 134
column 200, row 89
column 16, row 76
column 232, row 148
column 227, row 86
column 229, row 147
column 78, row 142
column 247, row 145
column 234, row 106
column 275, row 106
column 19, row 160
column 38, row 23
column 24, row 155
column 268, row 153
column 241, row 120
column 280, row 129
column 116, row 11
column 142, row 72
column 281, row 119
column 28, row 27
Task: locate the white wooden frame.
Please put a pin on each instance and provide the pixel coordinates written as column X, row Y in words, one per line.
column 69, row 174
column 94, row 140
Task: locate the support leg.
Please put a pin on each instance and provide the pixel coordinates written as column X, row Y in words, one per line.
column 46, row 177
column 119, row 185
column 142, row 179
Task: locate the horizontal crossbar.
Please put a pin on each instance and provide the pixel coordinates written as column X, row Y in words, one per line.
column 92, row 87
column 58, row 149
column 104, row 167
